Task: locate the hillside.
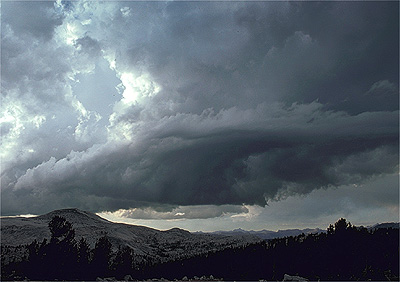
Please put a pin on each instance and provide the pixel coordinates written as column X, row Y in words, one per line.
column 268, row 234
column 148, row 244
column 144, row 253
column 343, row 253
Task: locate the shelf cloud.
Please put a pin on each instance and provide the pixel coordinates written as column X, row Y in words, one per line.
column 156, row 109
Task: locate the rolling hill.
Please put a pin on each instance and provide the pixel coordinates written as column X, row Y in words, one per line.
column 148, row 244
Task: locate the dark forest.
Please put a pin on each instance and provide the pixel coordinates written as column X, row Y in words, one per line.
column 343, row 252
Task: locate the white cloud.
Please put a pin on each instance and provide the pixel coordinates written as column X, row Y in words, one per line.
column 125, row 11
column 135, row 88
column 180, row 212
column 214, row 107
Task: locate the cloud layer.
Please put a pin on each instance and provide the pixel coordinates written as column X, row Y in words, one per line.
column 156, row 107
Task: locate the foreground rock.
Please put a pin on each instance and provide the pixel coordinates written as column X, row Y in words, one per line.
column 287, row 277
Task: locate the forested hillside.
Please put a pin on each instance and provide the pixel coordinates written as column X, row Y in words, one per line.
column 344, row 252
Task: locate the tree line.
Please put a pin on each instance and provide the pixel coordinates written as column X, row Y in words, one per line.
column 344, row 252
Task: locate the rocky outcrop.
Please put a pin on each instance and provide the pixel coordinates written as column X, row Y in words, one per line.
column 287, row 277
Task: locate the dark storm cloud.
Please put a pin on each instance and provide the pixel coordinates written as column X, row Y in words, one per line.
column 223, row 104
column 31, row 18
column 257, row 52
column 243, row 161
column 351, row 46
column 88, row 45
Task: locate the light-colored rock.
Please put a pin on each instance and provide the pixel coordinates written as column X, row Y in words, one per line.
column 128, row 278
column 287, row 277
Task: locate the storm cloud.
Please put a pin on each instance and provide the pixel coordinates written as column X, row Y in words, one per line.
column 159, row 108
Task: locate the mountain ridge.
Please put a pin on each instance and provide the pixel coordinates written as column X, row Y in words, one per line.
column 81, row 218
column 269, row 234
column 148, row 244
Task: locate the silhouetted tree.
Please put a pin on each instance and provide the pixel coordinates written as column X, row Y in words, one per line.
column 343, row 253
column 346, row 253
column 101, row 257
column 342, row 226
column 61, row 230
column 83, row 258
column 123, row 262
column 33, row 264
column 59, row 256
column 83, row 252
column 33, row 251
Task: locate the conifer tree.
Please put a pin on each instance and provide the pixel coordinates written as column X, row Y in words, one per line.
column 124, row 262
column 101, row 257
column 61, row 253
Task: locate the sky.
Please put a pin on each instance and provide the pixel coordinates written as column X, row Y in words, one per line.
column 202, row 115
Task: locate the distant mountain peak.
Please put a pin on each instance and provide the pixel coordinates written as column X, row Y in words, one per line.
column 73, row 214
column 268, row 234
column 68, row 210
column 176, row 230
column 71, row 211
column 394, row 225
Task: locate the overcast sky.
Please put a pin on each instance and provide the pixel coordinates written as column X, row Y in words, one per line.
column 202, row 115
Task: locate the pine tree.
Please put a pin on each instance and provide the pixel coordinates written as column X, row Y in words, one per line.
column 61, row 230
column 83, row 260
column 124, row 262
column 100, row 264
column 61, row 253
